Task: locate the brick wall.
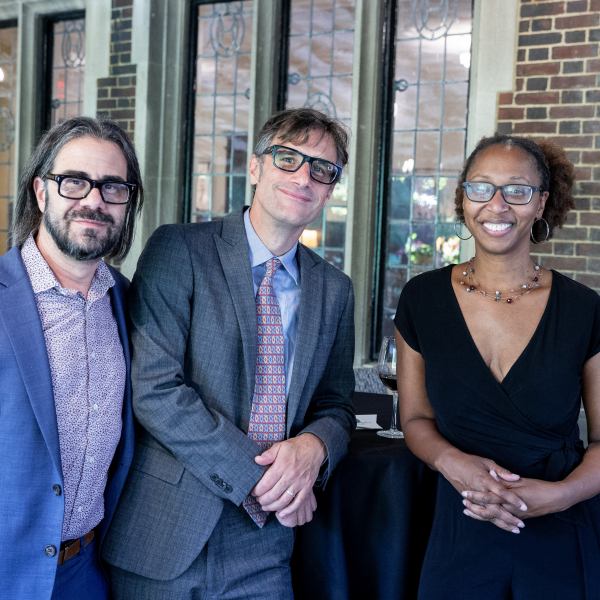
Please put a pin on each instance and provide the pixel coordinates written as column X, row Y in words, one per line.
column 116, row 93
column 557, row 95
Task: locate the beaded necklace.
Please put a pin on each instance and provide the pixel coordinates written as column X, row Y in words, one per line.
column 497, row 296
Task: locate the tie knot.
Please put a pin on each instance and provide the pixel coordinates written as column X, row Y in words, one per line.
column 272, row 265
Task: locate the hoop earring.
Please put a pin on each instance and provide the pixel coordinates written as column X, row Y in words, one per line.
column 456, row 221
column 547, row 231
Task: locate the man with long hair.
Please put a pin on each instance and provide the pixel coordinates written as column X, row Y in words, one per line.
column 243, row 349
column 66, row 424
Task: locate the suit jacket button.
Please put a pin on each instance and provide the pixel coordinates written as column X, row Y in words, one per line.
column 228, row 489
column 50, row 551
column 57, row 489
column 218, row 482
column 214, row 477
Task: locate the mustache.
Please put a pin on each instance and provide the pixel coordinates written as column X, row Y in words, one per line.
column 89, row 215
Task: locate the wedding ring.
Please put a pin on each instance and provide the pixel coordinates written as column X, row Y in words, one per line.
column 291, row 493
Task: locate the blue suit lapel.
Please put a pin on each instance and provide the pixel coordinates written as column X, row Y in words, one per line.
column 234, row 254
column 309, row 323
column 19, row 315
column 118, row 295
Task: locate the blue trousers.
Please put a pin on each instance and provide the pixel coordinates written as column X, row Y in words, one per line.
column 81, row 577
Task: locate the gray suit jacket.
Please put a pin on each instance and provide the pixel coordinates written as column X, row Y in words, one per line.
column 194, row 339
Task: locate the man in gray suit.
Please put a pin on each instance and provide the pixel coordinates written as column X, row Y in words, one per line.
column 243, row 344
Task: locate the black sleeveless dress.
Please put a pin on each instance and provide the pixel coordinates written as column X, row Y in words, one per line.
column 527, row 424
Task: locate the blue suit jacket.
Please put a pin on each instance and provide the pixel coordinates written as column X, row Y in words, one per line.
column 31, row 514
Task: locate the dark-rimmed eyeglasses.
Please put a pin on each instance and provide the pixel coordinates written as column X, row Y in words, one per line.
column 291, row 160
column 77, row 188
column 481, row 191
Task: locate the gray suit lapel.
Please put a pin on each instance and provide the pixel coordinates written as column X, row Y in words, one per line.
column 234, row 254
column 19, row 314
column 309, row 323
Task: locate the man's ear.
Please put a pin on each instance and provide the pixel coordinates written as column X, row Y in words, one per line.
column 40, row 193
column 255, row 170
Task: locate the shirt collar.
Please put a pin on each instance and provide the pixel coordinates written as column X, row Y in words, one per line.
column 42, row 278
column 260, row 254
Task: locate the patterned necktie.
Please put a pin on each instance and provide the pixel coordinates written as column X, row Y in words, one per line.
column 267, row 419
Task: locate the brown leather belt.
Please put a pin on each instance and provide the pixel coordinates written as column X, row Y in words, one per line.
column 71, row 548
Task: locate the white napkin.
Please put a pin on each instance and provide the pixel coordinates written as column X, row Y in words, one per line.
column 367, row 422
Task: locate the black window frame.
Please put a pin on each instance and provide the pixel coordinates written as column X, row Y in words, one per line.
column 48, row 22
column 190, row 89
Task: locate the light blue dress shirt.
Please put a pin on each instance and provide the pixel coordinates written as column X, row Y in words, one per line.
column 286, row 285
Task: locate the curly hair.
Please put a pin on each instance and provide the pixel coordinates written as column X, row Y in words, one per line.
column 556, row 171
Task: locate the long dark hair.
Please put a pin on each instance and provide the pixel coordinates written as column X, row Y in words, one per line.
column 27, row 215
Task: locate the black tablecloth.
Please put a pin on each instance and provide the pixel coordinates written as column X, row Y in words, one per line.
column 368, row 536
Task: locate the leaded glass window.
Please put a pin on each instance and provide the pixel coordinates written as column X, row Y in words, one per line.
column 431, row 83
column 67, row 69
column 321, row 55
column 8, row 89
column 222, row 93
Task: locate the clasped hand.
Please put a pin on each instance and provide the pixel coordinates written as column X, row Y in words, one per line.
column 485, row 487
column 293, row 467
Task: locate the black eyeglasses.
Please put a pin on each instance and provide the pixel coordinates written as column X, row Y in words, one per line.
column 481, row 191
column 77, row 188
column 291, row 160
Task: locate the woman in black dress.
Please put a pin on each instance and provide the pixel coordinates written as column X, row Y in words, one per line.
column 494, row 356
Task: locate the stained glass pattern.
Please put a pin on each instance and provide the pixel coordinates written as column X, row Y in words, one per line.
column 222, row 94
column 432, row 65
column 321, row 55
column 68, row 69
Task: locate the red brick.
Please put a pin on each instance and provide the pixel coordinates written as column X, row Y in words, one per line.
column 543, row 9
column 571, row 233
column 127, row 13
column 578, row 22
column 523, row 26
column 538, row 98
column 535, row 127
column 587, row 188
column 573, row 156
column 593, row 66
column 564, row 263
column 594, row 5
column 581, row 51
column 571, row 112
column 583, row 173
column 577, row 6
column 589, row 218
column 519, row 85
column 573, row 141
column 592, row 281
column 505, row 98
column 590, row 158
column 577, row 81
column 122, row 92
column 103, row 104
column 107, row 82
column 587, row 250
column 123, row 114
column 527, row 70
column 508, row 114
column 122, row 3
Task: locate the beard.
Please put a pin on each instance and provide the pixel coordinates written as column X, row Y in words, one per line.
column 93, row 244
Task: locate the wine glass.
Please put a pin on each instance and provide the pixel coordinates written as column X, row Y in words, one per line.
column 386, row 369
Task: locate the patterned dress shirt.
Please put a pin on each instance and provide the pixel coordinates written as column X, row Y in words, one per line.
column 286, row 285
column 88, row 380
